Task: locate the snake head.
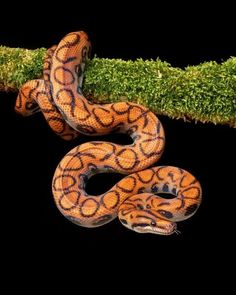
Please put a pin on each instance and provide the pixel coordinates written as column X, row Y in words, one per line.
column 137, row 214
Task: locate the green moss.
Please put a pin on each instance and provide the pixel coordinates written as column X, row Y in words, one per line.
column 205, row 92
column 19, row 65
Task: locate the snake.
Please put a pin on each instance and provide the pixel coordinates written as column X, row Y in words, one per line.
column 135, row 199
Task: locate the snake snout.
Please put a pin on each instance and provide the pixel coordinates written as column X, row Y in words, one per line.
column 141, row 217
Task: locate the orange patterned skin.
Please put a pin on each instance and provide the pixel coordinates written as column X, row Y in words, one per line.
column 133, row 198
column 35, row 96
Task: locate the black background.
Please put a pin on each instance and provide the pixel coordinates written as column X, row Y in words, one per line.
column 183, row 36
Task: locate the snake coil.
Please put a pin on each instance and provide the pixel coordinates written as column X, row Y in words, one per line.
column 58, row 94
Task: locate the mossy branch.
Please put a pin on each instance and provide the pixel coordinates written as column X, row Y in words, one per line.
column 206, row 92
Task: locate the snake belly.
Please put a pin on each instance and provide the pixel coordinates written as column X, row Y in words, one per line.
column 59, row 95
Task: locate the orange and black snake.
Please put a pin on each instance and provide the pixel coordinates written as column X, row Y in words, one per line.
column 134, row 199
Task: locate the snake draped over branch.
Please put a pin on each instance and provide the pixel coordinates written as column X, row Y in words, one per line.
column 134, row 199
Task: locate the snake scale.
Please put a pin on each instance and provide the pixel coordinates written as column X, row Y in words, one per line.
column 58, row 94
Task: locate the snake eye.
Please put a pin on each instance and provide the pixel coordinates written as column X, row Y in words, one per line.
column 140, row 207
column 153, row 223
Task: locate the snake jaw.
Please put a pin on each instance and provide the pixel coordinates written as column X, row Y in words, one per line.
column 141, row 224
column 159, row 230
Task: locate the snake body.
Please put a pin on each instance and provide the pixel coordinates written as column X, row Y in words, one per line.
column 59, row 96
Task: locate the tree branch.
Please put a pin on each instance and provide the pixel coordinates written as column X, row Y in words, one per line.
column 206, row 92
